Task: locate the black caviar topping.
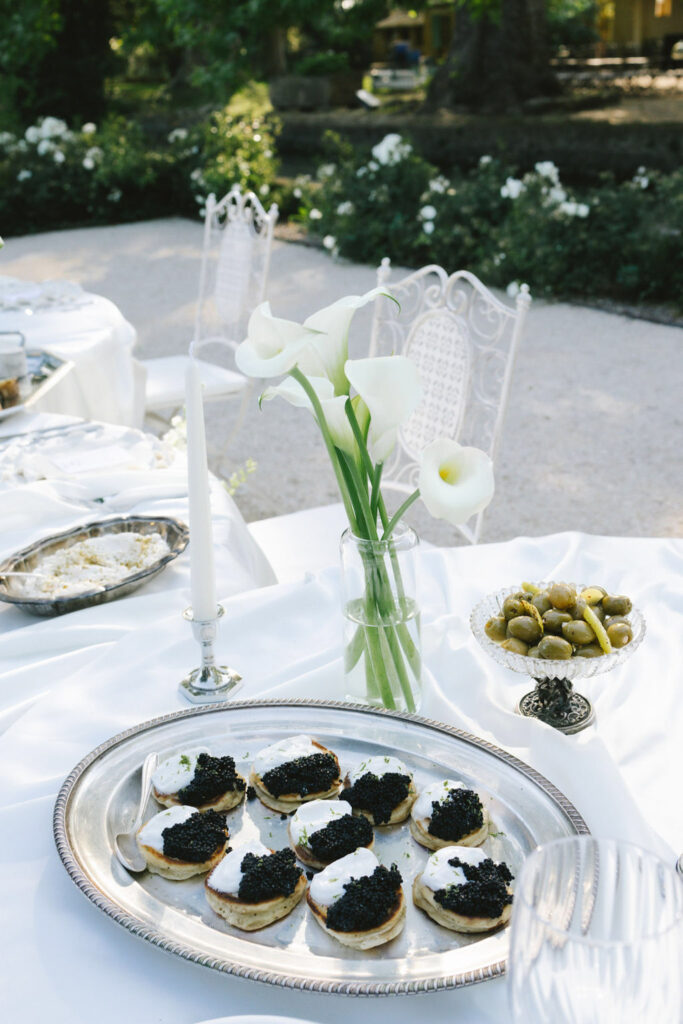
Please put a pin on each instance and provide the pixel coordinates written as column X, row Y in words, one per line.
column 251, row 793
column 264, row 878
column 196, row 839
column 378, row 794
column 213, row 776
column 458, row 815
column 367, row 902
column 314, row 773
column 339, row 837
column 485, row 894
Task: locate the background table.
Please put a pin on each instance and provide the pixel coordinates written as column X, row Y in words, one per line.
column 623, row 774
column 89, row 331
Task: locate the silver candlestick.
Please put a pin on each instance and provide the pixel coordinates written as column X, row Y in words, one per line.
column 209, row 682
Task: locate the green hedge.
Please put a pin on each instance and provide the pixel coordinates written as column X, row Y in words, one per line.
column 617, row 240
column 54, row 176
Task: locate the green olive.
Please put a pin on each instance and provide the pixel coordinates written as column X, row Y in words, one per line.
column 614, row 619
column 576, row 610
column 620, row 634
column 513, row 606
column 561, row 595
column 554, row 620
column 588, row 651
column 614, row 605
column 524, row 628
column 554, row 647
column 593, row 595
column 533, row 652
column 495, row 629
column 598, row 611
column 578, row 633
column 515, row 646
column 542, row 602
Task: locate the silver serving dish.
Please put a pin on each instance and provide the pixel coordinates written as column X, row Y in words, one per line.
column 43, row 369
column 175, row 533
column 99, row 799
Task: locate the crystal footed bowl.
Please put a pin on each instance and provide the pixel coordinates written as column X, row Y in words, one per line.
column 538, row 668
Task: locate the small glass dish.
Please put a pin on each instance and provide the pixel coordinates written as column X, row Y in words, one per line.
column 553, row 700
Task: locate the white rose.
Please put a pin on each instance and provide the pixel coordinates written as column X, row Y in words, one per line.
column 315, row 214
column 89, row 128
column 427, row 213
column 428, row 227
column 329, row 241
column 59, row 157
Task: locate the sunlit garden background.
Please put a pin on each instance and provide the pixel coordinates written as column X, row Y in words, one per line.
column 527, row 143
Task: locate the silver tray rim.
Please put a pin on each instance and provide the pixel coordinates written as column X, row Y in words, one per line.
column 157, row 938
column 48, row 606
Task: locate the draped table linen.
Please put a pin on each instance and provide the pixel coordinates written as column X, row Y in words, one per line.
column 88, row 331
column 61, row 956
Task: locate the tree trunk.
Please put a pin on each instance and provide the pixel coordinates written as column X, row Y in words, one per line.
column 497, row 59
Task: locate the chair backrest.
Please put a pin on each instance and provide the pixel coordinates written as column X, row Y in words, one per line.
column 463, row 341
column 238, row 236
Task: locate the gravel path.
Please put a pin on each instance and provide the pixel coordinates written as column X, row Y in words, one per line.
column 592, row 436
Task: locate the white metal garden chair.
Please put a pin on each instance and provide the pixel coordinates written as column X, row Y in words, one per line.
column 463, row 341
column 238, row 236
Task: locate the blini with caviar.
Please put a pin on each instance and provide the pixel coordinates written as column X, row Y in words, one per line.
column 381, row 789
column 253, row 886
column 463, row 889
column 446, row 813
column 323, row 831
column 293, row 771
column 182, row 841
column 358, row 902
column 197, row 779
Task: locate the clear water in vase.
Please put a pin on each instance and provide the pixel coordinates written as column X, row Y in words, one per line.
column 382, row 662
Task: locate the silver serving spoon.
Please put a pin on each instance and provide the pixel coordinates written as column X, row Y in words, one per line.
column 125, row 846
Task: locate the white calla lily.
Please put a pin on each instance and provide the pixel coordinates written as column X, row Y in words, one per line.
column 272, row 346
column 329, row 351
column 333, row 407
column 390, row 387
column 455, row 482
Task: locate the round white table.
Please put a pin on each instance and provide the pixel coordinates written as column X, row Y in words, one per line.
column 71, row 683
column 104, row 382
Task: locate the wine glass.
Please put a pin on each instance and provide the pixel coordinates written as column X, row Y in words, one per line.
column 596, row 936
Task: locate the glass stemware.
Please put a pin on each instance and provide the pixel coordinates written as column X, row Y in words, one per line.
column 597, row 936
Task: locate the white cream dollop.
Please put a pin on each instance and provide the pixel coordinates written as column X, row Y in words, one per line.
column 283, row 752
column 313, row 816
column 379, row 766
column 328, row 886
column 439, row 874
column 228, row 874
column 177, row 771
column 151, row 833
column 436, row 793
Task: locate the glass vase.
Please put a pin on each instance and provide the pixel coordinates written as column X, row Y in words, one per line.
column 382, row 654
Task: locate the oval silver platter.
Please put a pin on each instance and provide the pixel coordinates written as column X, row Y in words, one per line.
column 175, row 533
column 99, row 799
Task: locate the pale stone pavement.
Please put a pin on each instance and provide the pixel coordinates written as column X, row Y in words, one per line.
column 592, row 438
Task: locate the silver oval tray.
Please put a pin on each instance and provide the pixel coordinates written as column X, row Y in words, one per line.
column 99, row 799
column 175, row 533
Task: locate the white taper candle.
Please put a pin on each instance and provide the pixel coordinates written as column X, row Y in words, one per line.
column 202, row 572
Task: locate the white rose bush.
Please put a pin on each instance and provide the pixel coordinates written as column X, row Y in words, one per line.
column 360, row 405
column 617, row 238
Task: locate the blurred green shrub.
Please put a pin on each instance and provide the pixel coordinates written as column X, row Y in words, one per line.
column 53, row 176
column 618, row 240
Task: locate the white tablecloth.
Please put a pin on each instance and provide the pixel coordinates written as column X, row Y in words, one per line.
column 68, row 685
column 104, row 382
